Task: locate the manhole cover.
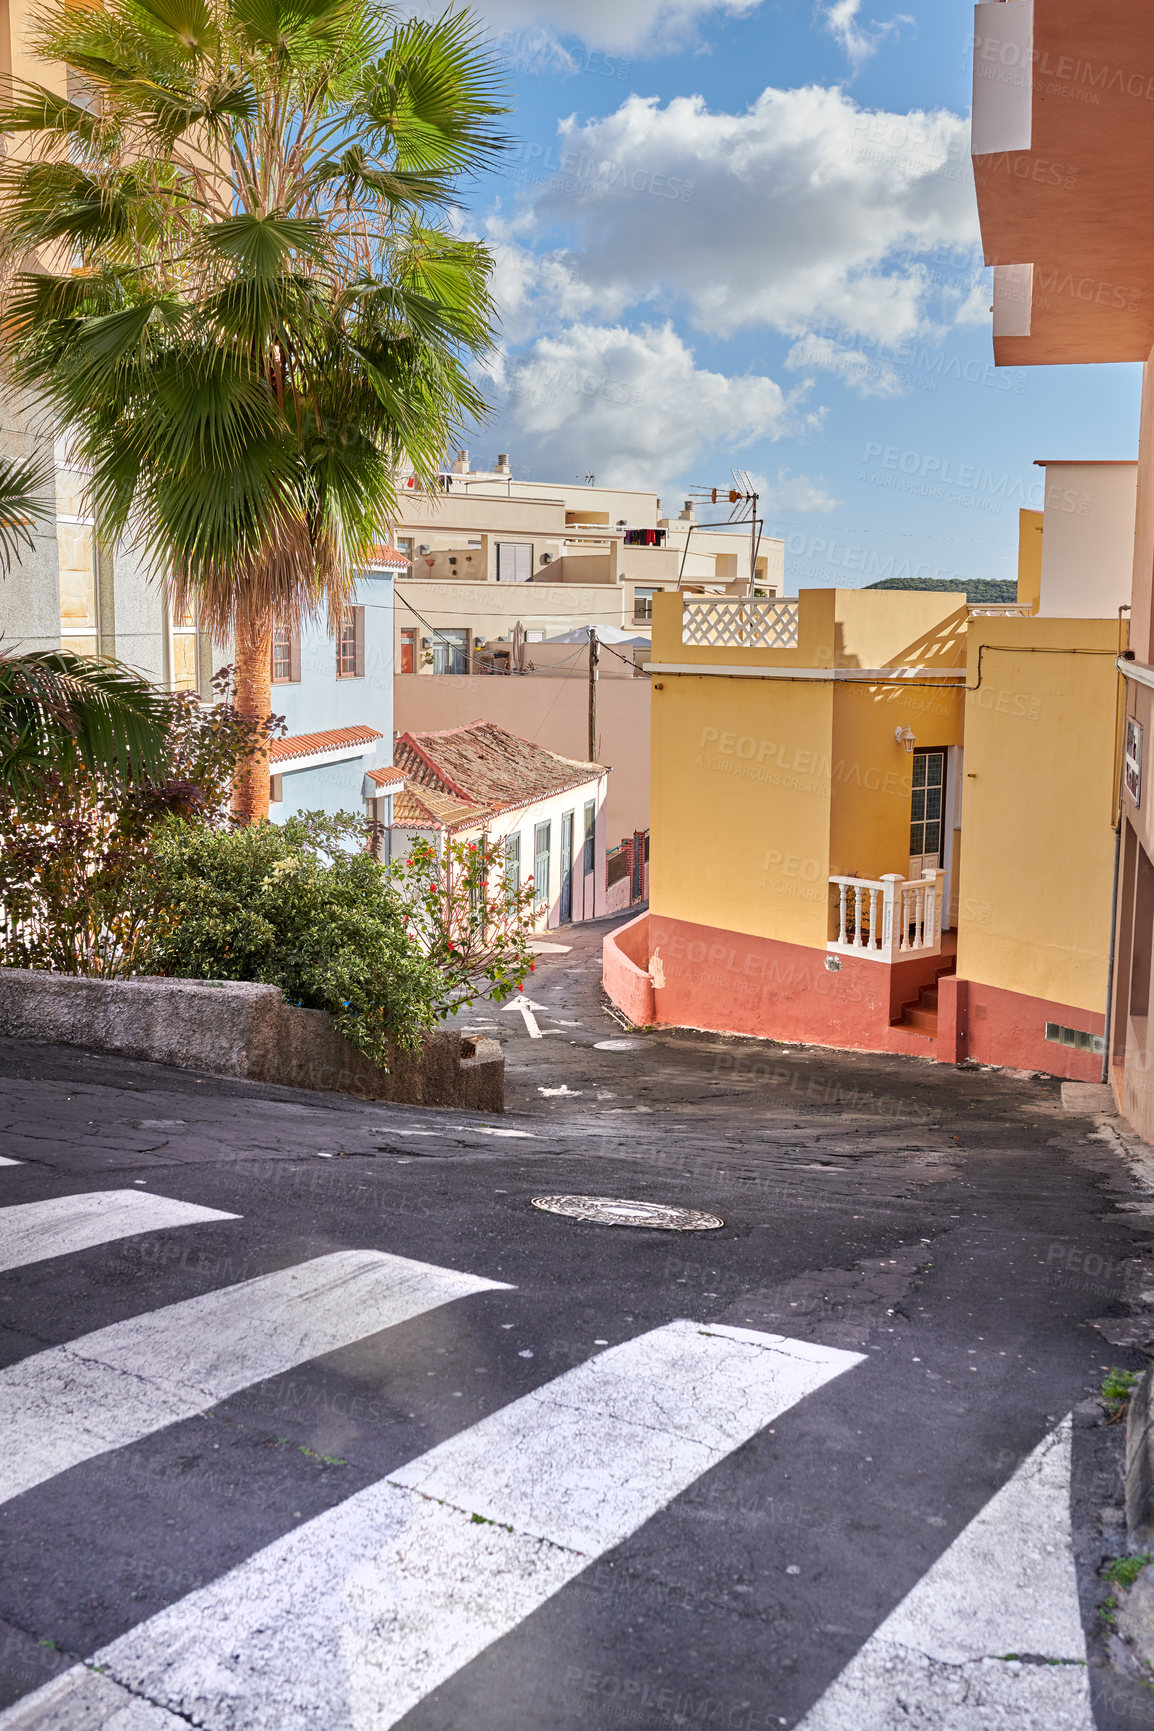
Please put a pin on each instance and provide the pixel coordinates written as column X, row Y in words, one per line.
column 615, row 1211
column 619, row 1045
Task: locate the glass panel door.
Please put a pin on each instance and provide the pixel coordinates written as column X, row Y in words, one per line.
column 927, row 806
column 566, row 868
column 542, row 843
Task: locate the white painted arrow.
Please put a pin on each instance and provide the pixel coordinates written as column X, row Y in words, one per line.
column 526, row 1007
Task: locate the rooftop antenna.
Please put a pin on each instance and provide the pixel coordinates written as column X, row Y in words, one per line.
column 587, row 479
column 738, row 497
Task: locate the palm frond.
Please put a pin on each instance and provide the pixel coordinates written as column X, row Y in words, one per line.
column 57, row 708
column 22, row 503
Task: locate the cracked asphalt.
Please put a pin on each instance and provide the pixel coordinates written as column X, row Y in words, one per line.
column 961, row 1257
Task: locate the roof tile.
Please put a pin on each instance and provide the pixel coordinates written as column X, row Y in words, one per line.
column 306, row 744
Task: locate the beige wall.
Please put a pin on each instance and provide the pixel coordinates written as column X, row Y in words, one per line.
column 554, row 713
column 1087, row 539
column 1038, row 811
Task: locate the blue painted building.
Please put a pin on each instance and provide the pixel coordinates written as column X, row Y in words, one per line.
column 336, row 694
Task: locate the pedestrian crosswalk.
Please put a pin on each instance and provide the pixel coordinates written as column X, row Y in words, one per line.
column 351, row 1619
column 992, row 1634
column 112, row 1387
column 34, row 1231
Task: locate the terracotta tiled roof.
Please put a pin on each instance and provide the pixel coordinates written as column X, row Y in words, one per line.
column 432, row 808
column 384, row 554
column 386, row 775
column 306, row 744
column 488, row 766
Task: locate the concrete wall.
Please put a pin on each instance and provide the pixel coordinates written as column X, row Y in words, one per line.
column 1038, row 810
column 229, row 1028
column 553, row 712
column 1087, row 539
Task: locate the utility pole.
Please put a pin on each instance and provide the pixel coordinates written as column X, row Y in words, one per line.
column 754, row 543
column 594, row 655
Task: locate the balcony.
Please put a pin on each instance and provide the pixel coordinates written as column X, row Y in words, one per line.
column 889, row 919
column 730, row 623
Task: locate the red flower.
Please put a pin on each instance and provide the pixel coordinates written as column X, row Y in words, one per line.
column 532, row 967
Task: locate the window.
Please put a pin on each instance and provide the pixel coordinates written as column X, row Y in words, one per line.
column 351, row 644
column 286, row 655
column 590, row 834
column 408, row 649
column 76, row 546
column 643, row 603
column 405, row 546
column 542, row 841
column 451, row 651
column 183, row 650
column 514, row 561
column 512, row 868
column 929, row 777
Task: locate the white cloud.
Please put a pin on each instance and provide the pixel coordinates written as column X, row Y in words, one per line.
column 857, row 372
column 803, row 212
column 633, row 406
column 786, row 492
column 842, row 21
column 529, row 33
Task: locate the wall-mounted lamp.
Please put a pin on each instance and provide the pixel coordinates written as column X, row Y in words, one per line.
column 905, row 736
column 423, row 548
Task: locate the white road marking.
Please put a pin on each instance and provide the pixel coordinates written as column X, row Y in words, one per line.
column 4, row 1161
column 352, row 1619
column 33, row 1231
column 119, row 1384
column 1005, row 1587
column 564, row 1089
column 526, row 1007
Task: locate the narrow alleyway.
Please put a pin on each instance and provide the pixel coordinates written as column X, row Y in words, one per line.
column 451, row 1460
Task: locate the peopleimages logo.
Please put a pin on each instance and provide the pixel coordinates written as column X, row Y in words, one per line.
column 943, row 472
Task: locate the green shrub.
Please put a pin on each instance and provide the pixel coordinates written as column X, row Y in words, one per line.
column 299, row 905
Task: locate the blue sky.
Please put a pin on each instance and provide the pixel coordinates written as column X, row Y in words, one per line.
column 744, row 234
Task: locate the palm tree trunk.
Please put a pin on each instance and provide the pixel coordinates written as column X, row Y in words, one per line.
column 253, row 697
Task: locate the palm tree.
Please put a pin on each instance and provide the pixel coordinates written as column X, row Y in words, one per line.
column 259, row 306
column 56, row 708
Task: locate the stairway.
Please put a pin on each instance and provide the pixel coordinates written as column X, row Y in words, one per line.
column 921, row 1015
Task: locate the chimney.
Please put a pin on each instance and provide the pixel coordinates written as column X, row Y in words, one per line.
column 687, row 515
column 503, row 463
column 461, row 466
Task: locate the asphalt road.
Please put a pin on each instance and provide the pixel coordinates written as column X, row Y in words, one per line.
column 449, row 1460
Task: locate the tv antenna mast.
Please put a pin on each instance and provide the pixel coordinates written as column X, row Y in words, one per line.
column 740, row 497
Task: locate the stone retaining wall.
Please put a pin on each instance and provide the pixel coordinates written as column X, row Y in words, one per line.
column 234, row 1029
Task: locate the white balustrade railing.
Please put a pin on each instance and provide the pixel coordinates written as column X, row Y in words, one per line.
column 888, row 918
column 729, row 622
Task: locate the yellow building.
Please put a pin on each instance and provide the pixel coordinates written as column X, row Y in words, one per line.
column 883, row 820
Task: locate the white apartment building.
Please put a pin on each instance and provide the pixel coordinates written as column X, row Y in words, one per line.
column 489, row 552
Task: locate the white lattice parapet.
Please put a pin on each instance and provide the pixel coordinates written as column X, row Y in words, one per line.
column 727, row 623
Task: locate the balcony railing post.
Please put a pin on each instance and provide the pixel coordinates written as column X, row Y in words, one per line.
column 891, row 915
column 843, row 894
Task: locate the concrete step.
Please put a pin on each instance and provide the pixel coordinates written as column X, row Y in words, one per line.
column 917, row 1016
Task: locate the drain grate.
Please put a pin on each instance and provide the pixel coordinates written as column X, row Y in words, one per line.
column 616, row 1211
column 619, row 1045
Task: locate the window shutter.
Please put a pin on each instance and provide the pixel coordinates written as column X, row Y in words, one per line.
column 295, row 655
column 359, row 621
